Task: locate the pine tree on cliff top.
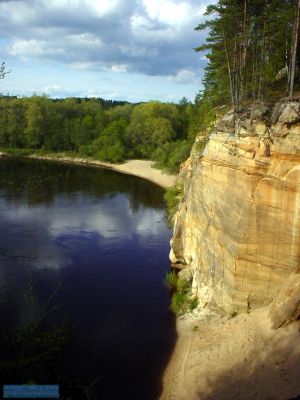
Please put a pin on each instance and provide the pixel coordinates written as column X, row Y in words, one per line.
column 251, row 48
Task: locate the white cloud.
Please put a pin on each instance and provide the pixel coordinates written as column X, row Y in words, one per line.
column 18, row 11
column 119, row 68
column 32, row 48
column 83, row 65
column 148, row 37
column 98, row 7
column 84, row 40
column 183, row 76
column 102, row 7
column 169, row 12
column 52, row 89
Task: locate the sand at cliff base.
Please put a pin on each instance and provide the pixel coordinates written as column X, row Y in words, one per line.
column 241, row 358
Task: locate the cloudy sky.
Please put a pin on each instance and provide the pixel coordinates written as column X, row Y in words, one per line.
column 135, row 50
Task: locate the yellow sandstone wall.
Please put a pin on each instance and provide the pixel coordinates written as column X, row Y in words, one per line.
column 237, row 232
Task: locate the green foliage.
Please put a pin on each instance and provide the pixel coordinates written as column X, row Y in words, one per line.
column 179, row 302
column 110, row 143
column 182, row 301
column 3, row 70
column 18, row 152
column 170, row 155
column 172, row 197
column 99, row 129
column 248, row 48
column 171, row 280
column 34, row 349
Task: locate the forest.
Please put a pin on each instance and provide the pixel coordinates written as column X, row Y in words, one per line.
column 251, row 48
column 251, row 51
column 109, row 131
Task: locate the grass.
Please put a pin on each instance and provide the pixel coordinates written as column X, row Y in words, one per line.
column 17, row 152
column 182, row 302
column 172, row 197
column 171, row 280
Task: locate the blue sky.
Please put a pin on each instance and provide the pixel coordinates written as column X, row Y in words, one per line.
column 135, row 50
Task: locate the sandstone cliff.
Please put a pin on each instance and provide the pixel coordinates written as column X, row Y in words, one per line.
column 237, row 232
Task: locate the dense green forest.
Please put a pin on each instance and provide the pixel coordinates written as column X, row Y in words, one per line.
column 251, row 48
column 110, row 131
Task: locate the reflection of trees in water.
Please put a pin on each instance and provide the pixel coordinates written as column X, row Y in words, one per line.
column 32, row 351
column 41, row 181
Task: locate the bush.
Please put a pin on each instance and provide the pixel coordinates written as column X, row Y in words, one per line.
column 18, row 152
column 171, row 280
column 170, row 155
column 181, row 301
column 172, row 197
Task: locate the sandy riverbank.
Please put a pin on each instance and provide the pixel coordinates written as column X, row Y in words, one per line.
column 141, row 168
column 241, row 358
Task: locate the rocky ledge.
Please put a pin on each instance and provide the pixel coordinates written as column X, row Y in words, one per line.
column 237, row 230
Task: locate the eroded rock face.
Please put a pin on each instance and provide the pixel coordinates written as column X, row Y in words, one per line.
column 285, row 307
column 238, row 226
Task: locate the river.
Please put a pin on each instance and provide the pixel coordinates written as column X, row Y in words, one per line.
column 83, row 257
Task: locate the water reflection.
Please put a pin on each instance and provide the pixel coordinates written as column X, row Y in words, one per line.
column 104, row 236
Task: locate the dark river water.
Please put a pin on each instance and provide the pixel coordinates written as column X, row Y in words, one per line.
column 83, row 257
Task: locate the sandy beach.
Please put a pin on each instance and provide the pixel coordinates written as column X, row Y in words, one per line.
column 141, row 168
column 241, row 358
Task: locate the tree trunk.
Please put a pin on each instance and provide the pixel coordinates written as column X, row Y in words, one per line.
column 262, row 59
column 245, row 48
column 294, row 52
column 229, row 68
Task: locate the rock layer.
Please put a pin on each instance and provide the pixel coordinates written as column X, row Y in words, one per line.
column 285, row 307
column 237, row 231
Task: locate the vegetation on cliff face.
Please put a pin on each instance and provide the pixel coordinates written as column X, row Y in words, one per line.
column 182, row 299
column 172, row 198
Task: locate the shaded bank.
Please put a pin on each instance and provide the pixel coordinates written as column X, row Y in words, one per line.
column 140, row 168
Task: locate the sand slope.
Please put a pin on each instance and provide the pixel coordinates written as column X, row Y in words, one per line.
column 241, row 358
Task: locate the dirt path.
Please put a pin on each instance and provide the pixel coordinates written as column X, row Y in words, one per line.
column 241, row 358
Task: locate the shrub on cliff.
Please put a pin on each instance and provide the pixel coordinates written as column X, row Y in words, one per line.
column 172, row 197
column 182, row 301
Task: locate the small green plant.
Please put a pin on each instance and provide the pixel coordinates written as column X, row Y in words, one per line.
column 195, row 328
column 199, row 146
column 194, row 303
column 181, row 301
column 171, row 280
column 172, row 197
column 233, row 314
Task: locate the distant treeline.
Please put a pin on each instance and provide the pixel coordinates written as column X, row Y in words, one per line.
column 107, row 130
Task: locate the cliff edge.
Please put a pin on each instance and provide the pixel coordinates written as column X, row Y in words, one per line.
column 237, row 231
column 237, row 237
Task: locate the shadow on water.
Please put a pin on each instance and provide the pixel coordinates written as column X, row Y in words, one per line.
column 103, row 236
